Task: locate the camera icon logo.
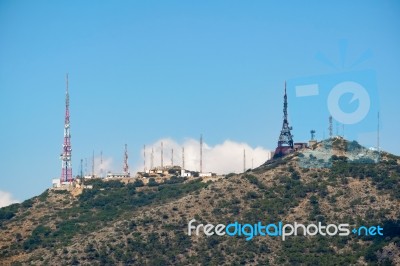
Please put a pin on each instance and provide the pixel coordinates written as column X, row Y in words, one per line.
column 351, row 98
column 359, row 93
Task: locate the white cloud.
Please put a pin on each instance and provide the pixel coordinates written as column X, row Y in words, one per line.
column 222, row 158
column 101, row 165
column 6, row 199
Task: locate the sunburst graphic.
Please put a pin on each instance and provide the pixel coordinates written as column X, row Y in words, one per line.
column 343, row 47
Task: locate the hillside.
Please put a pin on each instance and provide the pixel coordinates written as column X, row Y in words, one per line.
column 128, row 223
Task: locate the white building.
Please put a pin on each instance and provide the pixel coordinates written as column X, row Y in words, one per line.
column 185, row 173
column 205, row 174
column 56, row 182
column 118, row 175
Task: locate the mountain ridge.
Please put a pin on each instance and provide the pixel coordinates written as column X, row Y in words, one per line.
column 117, row 223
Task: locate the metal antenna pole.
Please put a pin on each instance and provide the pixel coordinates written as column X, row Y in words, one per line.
column 183, row 158
column 343, row 130
column 244, row 160
column 126, row 166
column 312, row 134
column 201, row 153
column 337, row 129
column 162, row 155
column 152, row 159
column 144, row 158
column 378, row 148
column 101, row 164
column 93, row 164
column 81, row 169
column 172, row 157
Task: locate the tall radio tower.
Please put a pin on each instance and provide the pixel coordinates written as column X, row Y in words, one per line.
column 285, row 137
column 285, row 141
column 66, row 171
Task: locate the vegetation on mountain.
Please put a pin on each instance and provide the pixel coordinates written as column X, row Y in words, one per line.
column 136, row 224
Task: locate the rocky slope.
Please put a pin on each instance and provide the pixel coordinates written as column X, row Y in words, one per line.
column 132, row 224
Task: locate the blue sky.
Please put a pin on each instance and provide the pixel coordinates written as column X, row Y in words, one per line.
column 141, row 71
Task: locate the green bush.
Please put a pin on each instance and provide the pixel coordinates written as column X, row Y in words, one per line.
column 230, row 175
column 152, row 182
column 138, row 183
column 27, row 203
column 254, row 180
column 6, row 214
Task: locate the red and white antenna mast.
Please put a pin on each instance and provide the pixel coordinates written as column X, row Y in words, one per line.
column 66, row 171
